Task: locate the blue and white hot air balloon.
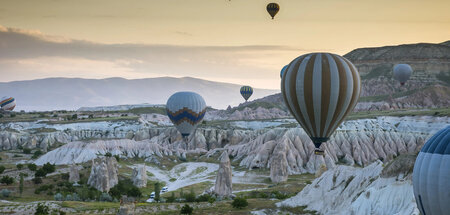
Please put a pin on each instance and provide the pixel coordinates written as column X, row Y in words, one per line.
column 7, row 103
column 246, row 92
column 431, row 175
column 186, row 110
column 282, row 71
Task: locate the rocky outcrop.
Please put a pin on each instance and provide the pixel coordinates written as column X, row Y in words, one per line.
column 104, row 174
column 351, row 190
column 223, row 186
column 279, row 165
column 127, row 206
column 74, row 174
column 139, row 176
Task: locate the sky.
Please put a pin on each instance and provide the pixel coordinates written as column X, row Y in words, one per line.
column 229, row 41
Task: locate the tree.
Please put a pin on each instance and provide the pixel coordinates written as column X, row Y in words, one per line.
column 21, row 184
column 7, row 180
column 49, row 168
column 186, row 209
column 171, row 198
column 5, row 193
column 74, row 117
column 37, row 180
column 26, row 151
column 190, row 197
column 19, row 166
column 239, row 203
column 32, row 167
column 40, row 173
column 2, row 169
column 157, row 191
column 42, row 210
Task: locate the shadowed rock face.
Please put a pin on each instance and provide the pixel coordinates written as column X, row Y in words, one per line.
column 103, row 174
column 279, row 165
column 223, row 186
column 74, row 175
column 139, row 176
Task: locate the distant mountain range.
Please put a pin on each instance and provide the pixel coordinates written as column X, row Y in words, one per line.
column 428, row 87
column 73, row 93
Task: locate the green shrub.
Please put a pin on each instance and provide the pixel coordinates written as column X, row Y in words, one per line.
column 186, row 209
column 190, row 197
column 19, row 166
column 125, row 187
column 36, row 154
column 171, row 198
column 7, row 180
column 239, row 203
column 108, row 154
column 58, row 197
column 40, row 173
column 2, row 169
column 205, row 198
column 157, row 191
column 5, row 193
column 49, row 168
column 42, row 210
column 26, row 151
column 32, row 166
column 105, row 197
column 37, row 180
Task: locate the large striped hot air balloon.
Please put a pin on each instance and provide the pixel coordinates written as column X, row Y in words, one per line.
column 186, row 110
column 431, row 175
column 246, row 92
column 402, row 72
column 320, row 90
column 272, row 9
column 7, row 103
column 282, row 71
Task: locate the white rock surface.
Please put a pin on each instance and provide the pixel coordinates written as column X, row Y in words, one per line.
column 74, row 174
column 223, row 186
column 353, row 190
column 278, row 165
column 139, row 176
column 104, row 174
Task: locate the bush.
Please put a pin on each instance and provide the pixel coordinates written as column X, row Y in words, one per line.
column 36, row 154
column 125, row 187
column 5, row 193
column 239, row 203
column 65, row 176
column 186, row 209
column 171, row 198
column 32, row 167
column 49, row 168
column 37, row 180
column 205, row 198
column 190, row 197
column 42, row 210
column 76, row 197
column 69, row 197
column 58, row 197
column 105, row 197
column 7, row 180
column 19, row 166
column 40, row 173
column 26, row 151
column 157, row 191
column 117, row 157
column 108, row 154
column 2, row 169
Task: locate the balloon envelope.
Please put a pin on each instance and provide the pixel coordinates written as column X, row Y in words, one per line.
column 186, row 110
column 7, row 103
column 320, row 90
column 272, row 9
column 282, row 71
column 246, row 92
column 402, row 72
column 431, row 175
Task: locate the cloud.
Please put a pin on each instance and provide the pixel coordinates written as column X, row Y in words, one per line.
column 50, row 56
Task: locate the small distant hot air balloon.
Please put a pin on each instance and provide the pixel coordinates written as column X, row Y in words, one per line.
column 320, row 90
column 246, row 92
column 272, row 9
column 186, row 110
column 282, row 71
column 431, row 175
column 7, row 103
column 402, row 72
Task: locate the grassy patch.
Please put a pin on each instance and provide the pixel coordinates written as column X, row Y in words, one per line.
column 87, row 206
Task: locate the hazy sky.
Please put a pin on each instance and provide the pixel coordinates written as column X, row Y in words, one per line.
column 231, row 41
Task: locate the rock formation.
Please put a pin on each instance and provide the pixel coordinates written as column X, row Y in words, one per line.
column 127, row 206
column 74, row 175
column 223, row 186
column 139, row 176
column 279, row 165
column 104, row 173
column 352, row 190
